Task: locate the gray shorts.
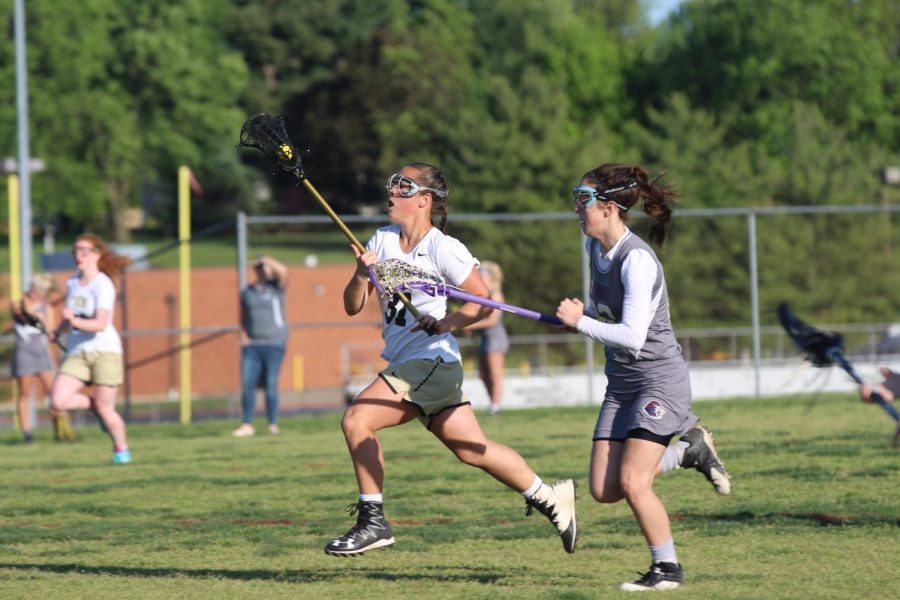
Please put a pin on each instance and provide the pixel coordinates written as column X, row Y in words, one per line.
column 31, row 357
column 656, row 397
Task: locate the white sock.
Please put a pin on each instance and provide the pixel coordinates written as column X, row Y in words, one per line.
column 371, row 497
column 670, row 459
column 664, row 552
column 535, row 486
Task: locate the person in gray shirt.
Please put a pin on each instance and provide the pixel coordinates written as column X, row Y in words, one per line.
column 264, row 334
column 648, row 395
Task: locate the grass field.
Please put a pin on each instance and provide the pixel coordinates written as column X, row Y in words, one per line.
column 814, row 514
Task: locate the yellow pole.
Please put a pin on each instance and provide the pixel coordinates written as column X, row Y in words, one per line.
column 184, row 270
column 298, row 372
column 15, row 240
column 15, row 268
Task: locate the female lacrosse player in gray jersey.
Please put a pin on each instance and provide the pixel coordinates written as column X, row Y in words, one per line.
column 648, row 396
column 423, row 379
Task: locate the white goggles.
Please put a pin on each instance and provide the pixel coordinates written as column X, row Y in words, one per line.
column 407, row 188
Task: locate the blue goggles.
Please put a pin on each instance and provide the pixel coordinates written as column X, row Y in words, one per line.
column 407, row 188
column 584, row 196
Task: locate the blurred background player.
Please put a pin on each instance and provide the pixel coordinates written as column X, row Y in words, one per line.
column 94, row 354
column 33, row 317
column 493, row 339
column 264, row 333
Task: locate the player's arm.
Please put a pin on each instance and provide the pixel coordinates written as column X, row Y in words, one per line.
column 491, row 319
column 98, row 322
column 279, row 271
column 468, row 313
column 638, row 275
column 359, row 287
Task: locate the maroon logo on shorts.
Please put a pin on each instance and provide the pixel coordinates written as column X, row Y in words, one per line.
column 654, row 410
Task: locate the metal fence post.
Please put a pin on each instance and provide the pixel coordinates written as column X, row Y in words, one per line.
column 754, row 299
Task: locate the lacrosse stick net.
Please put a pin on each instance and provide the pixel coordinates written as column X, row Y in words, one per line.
column 825, row 349
column 268, row 134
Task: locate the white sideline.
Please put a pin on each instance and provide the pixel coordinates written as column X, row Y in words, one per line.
column 708, row 381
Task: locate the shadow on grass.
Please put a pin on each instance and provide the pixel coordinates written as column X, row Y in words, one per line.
column 817, row 518
column 456, row 574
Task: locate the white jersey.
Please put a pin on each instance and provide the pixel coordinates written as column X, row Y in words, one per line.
column 437, row 253
column 85, row 301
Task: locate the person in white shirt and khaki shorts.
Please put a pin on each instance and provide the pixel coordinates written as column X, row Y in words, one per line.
column 94, row 355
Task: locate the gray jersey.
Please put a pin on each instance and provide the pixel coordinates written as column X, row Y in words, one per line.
column 262, row 313
column 648, row 388
column 607, row 296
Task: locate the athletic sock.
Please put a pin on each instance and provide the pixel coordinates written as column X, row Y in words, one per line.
column 672, row 457
column 664, row 552
column 535, row 486
column 120, row 448
column 371, row 498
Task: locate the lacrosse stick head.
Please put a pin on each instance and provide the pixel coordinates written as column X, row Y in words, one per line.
column 818, row 346
column 267, row 133
column 394, row 275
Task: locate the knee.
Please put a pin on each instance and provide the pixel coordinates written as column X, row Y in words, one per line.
column 472, row 455
column 353, row 425
column 634, row 485
column 606, row 494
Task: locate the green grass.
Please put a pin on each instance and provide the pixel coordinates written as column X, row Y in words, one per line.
column 814, row 513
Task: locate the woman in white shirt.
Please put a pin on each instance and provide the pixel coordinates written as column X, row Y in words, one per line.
column 423, row 379
column 94, row 355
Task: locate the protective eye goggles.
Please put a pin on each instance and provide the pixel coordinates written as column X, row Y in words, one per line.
column 584, row 196
column 407, row 188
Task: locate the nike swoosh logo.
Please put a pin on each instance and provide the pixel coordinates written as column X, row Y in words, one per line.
column 422, row 254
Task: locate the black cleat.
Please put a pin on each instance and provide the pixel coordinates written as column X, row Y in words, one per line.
column 661, row 576
column 370, row 532
column 701, row 455
column 557, row 503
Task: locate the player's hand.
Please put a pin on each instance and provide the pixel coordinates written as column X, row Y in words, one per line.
column 570, row 311
column 363, row 261
column 428, row 324
column 889, row 389
column 68, row 314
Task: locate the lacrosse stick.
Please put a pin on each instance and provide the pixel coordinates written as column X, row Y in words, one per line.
column 824, row 349
column 34, row 321
column 393, row 275
column 268, row 134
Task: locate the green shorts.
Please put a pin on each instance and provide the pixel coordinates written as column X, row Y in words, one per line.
column 98, row 368
column 432, row 385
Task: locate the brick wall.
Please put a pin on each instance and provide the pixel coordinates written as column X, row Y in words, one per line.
column 314, row 299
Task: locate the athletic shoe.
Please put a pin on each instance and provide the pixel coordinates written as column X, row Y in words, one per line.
column 494, row 410
column 701, row 455
column 245, row 430
column 661, row 576
column 122, row 457
column 370, row 532
column 557, row 503
column 273, row 429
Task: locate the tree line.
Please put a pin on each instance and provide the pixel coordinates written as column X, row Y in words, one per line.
column 740, row 102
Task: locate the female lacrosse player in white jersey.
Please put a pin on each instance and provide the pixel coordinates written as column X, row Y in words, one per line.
column 648, row 396
column 423, row 379
column 94, row 354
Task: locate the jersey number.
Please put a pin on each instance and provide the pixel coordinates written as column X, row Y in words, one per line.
column 396, row 312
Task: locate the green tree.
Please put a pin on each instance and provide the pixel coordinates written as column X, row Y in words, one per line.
column 120, row 93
